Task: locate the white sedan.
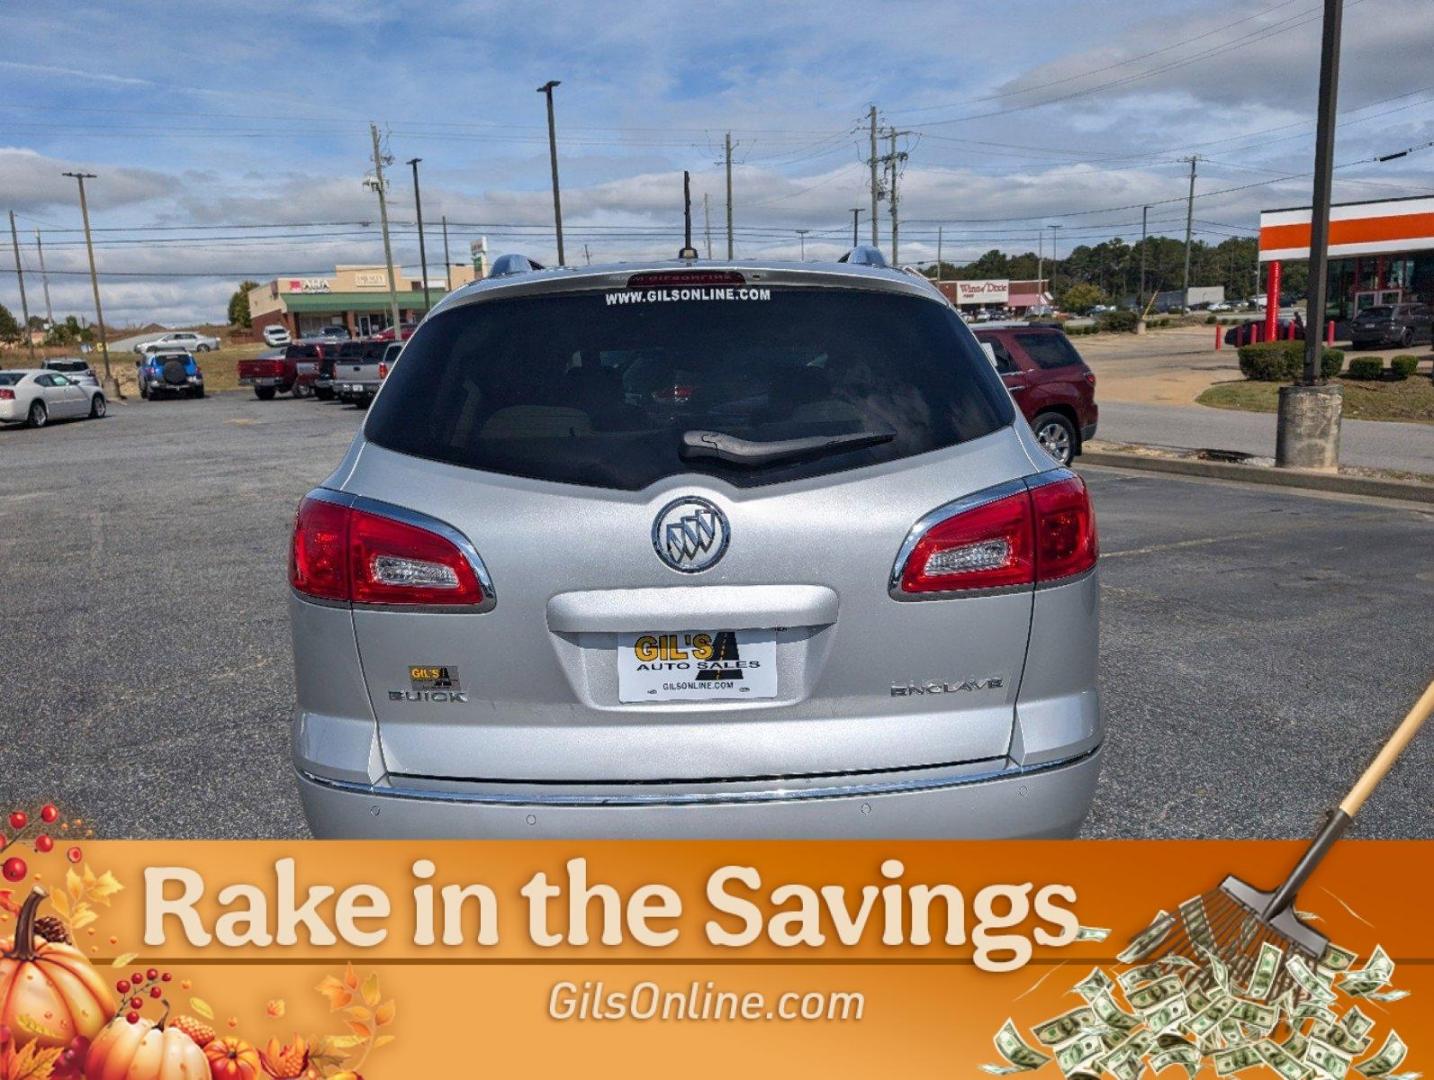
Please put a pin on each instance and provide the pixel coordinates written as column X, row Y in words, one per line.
column 178, row 341
column 35, row 396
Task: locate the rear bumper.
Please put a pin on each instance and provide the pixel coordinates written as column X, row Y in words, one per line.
column 1048, row 800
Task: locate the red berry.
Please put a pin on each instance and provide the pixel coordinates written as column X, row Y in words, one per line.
column 155, row 991
column 19, row 819
column 152, row 974
column 122, row 986
column 74, row 854
column 132, row 1017
column 48, row 813
column 166, row 977
column 14, row 869
column 137, row 978
column 43, row 844
column 136, row 1003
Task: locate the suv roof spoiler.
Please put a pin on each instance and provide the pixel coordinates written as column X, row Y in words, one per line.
column 864, row 255
column 507, row 265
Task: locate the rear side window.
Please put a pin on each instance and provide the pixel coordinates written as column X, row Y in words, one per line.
column 1049, row 350
column 301, row 352
column 584, row 388
column 11, row 378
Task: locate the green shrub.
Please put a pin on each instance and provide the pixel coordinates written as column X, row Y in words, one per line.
column 1366, row 367
column 1117, row 322
column 1403, row 366
column 1211, row 320
column 1283, row 361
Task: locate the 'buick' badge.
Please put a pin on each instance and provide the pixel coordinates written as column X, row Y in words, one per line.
column 690, row 534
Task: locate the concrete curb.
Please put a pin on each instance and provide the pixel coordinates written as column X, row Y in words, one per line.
column 1256, row 474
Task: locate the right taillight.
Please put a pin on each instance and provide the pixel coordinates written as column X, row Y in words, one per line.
column 382, row 371
column 1037, row 533
column 356, row 556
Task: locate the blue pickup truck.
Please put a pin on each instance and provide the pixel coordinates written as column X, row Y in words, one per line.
column 172, row 374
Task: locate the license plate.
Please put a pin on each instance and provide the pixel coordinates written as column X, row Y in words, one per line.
column 697, row 665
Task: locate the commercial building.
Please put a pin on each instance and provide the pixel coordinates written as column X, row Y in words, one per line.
column 355, row 297
column 1019, row 296
column 1380, row 252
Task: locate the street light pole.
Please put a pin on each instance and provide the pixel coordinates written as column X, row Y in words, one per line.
column 547, row 90
column 802, row 236
column 20, row 276
column 1140, row 298
column 855, row 224
column 422, row 251
column 380, row 185
column 44, row 280
column 1054, row 263
column 447, row 260
column 111, row 387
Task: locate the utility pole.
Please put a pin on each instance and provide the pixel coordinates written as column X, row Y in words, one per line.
column 447, row 262
column 1041, row 265
column 1140, row 297
column 44, row 280
column 422, row 251
column 707, row 224
column 1189, row 228
column 111, row 387
column 1308, row 421
column 855, row 224
column 875, row 184
column 587, row 255
column 547, row 90
column 802, row 236
column 939, row 229
column 380, row 185
column 1054, row 262
column 728, row 156
column 20, row 275
column 894, row 162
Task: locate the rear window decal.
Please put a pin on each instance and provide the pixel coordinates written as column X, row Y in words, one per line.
column 658, row 296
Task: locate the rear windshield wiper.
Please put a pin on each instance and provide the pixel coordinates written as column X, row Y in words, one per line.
column 738, row 451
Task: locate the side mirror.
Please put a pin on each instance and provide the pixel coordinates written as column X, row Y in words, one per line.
column 990, row 351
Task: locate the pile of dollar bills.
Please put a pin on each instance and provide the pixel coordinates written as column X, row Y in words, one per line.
column 1191, row 1011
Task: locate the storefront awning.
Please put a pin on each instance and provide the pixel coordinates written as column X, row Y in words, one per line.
column 335, row 302
column 1382, row 227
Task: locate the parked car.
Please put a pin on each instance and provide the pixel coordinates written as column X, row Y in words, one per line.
column 332, row 333
column 169, row 374
column 360, row 367
column 178, row 341
column 406, row 331
column 35, row 396
column 1221, row 305
column 274, row 334
column 1398, row 325
column 744, row 549
column 1050, row 382
column 290, row 370
column 74, row 369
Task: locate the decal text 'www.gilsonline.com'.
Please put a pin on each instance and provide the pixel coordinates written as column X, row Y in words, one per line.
column 658, row 296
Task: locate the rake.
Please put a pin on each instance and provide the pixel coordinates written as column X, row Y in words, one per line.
column 1233, row 921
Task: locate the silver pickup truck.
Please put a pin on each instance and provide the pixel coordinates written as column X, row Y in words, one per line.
column 361, row 367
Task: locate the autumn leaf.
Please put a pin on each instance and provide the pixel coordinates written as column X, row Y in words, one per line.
column 123, row 960
column 276, row 1008
column 337, row 993
column 74, row 885
column 61, row 903
column 363, row 1031
column 202, row 1007
column 335, row 1043
column 383, row 1040
column 102, row 888
column 33, row 1063
column 384, row 1014
column 351, row 979
column 84, row 915
column 359, row 1013
column 371, row 993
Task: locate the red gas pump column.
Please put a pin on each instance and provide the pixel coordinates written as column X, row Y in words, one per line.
column 1272, row 303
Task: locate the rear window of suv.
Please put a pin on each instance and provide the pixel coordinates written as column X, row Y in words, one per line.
column 1049, row 350
column 579, row 388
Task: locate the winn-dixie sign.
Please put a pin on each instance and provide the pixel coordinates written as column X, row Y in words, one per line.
column 986, row 291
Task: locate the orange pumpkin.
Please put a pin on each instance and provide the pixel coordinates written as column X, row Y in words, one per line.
column 144, row 1051
column 231, row 1058
column 49, row 994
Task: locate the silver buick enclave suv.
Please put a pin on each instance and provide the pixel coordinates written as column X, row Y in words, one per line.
column 701, row 550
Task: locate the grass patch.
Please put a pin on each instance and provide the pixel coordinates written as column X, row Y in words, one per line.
column 1411, row 401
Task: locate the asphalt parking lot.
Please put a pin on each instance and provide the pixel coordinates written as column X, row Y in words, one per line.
column 1256, row 643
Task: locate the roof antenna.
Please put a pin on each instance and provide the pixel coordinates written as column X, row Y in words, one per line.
column 688, row 251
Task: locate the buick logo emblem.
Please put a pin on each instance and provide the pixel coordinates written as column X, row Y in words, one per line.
column 690, row 534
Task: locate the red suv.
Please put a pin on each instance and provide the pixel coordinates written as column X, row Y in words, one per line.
column 1049, row 381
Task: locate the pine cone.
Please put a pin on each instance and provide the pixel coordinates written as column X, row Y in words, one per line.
column 52, row 929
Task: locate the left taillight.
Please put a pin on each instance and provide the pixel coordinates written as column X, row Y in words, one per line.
column 352, row 555
column 7, row 395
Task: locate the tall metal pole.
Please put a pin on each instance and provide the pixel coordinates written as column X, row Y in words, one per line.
column 1189, row 230
column 1323, row 182
column 1041, row 265
column 379, row 185
column 44, row 280
column 422, row 252
column 895, row 223
column 447, row 262
column 855, row 224
column 1054, row 262
column 728, row 159
column 938, row 253
column 20, row 275
column 111, row 387
column 802, row 236
column 875, row 186
column 707, row 223
column 1144, row 219
column 547, row 90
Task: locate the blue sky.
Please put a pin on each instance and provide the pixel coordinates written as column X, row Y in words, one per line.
column 208, row 119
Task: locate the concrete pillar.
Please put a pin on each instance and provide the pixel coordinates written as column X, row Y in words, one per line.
column 1307, row 428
